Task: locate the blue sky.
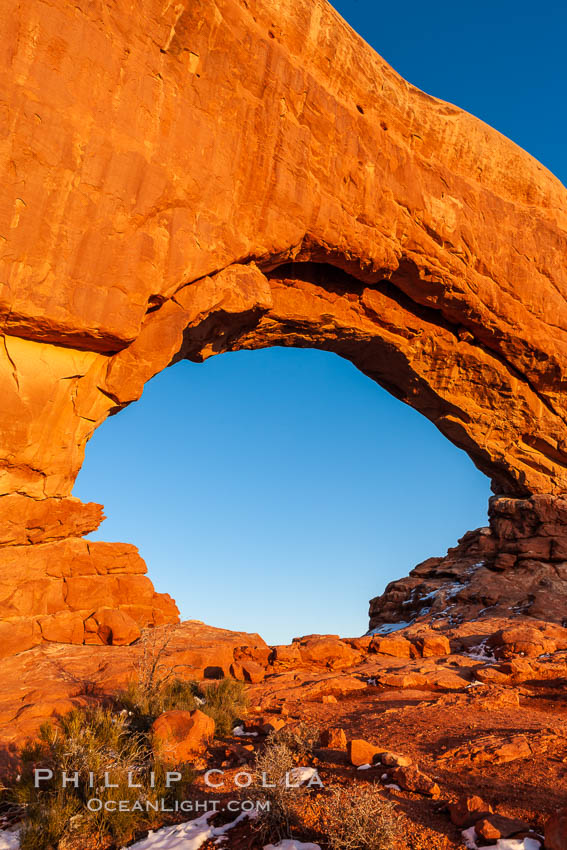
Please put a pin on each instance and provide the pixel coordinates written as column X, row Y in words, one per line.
column 277, row 491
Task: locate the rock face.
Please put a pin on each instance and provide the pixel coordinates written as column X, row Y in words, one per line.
column 180, row 735
column 205, row 177
column 284, row 186
column 518, row 565
column 74, row 591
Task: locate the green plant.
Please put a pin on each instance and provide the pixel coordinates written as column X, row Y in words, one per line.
column 156, row 689
column 358, row 818
column 145, row 706
column 225, row 701
column 83, row 746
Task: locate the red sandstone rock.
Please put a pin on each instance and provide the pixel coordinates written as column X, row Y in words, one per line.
column 287, row 654
column 521, row 640
column 405, row 680
column 412, row 779
column 476, row 581
column 266, row 725
column 334, row 739
column 467, row 811
column 247, row 671
column 432, row 644
column 115, row 627
column 409, row 256
column 397, row 646
column 64, row 627
column 556, row 831
column 362, row 752
column 394, row 759
column 489, row 750
column 324, row 650
column 494, row 826
column 25, row 521
column 179, row 736
column 430, row 219
column 18, row 634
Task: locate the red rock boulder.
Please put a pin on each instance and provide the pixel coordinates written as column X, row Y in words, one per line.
column 180, row 736
column 556, row 831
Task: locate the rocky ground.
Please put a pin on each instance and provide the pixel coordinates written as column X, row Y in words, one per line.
column 477, row 710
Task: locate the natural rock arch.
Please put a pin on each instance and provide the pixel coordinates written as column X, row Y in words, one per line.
column 212, row 176
column 219, row 152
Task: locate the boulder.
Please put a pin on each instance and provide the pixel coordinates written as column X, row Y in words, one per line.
column 521, row 640
column 467, row 811
column 323, row 650
column 180, row 736
column 433, row 644
column 334, row 738
column 283, row 654
column 494, row 826
column 394, row 759
column 405, row 680
column 445, row 681
column 361, row 752
column 394, row 645
column 556, row 831
column 247, row 671
column 412, row 779
column 265, row 724
column 115, row 627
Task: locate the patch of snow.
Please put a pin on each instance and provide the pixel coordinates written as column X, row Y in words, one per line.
column 364, row 767
column 9, row 840
column 291, row 844
column 393, row 786
column 431, row 595
column 298, row 775
column 469, row 838
column 480, row 652
column 190, row 835
column 470, row 841
column 239, row 732
column 371, row 682
column 452, row 590
column 388, row 628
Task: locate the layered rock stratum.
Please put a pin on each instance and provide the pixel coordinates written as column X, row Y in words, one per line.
column 203, row 177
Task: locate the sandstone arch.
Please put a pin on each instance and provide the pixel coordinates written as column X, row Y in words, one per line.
column 211, row 176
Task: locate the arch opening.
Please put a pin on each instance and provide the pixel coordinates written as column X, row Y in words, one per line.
column 277, row 491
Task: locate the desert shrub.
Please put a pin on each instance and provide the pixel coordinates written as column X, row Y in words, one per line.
column 300, row 739
column 145, row 706
column 358, row 818
column 280, row 804
column 156, row 689
column 86, row 743
column 225, row 701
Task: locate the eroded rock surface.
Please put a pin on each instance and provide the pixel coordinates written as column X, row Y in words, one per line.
column 231, row 182
column 268, row 183
column 517, row 565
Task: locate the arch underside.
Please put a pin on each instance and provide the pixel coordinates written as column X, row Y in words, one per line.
column 412, row 351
